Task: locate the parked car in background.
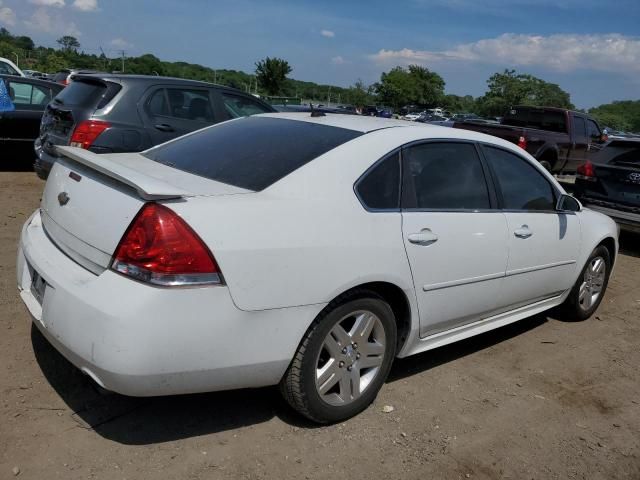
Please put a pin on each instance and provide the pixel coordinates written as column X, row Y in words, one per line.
column 7, row 67
column 63, row 76
column 20, row 127
column 610, row 182
column 279, row 249
column 34, row 74
column 559, row 139
column 109, row 113
column 319, row 109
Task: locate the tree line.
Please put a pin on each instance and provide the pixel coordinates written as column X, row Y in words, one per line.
column 397, row 88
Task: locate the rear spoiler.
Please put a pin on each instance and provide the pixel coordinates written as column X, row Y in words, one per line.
column 148, row 188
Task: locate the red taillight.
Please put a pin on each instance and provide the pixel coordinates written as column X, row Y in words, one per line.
column 160, row 248
column 522, row 142
column 586, row 171
column 86, row 133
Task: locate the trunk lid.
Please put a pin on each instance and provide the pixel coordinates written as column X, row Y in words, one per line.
column 89, row 200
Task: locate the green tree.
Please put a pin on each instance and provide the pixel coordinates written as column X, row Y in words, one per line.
column 272, row 74
column 415, row 85
column 619, row 115
column 69, row 43
column 510, row 88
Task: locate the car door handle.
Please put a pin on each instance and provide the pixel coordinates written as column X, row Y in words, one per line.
column 523, row 232
column 424, row 238
column 163, row 127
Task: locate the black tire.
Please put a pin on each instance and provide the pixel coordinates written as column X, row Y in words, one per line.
column 298, row 386
column 572, row 309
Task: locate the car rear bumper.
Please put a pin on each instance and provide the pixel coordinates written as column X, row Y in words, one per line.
column 140, row 340
column 44, row 162
column 627, row 220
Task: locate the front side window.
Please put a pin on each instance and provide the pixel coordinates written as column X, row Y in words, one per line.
column 593, row 130
column 379, row 189
column 579, row 127
column 522, row 186
column 238, row 106
column 29, row 95
column 444, row 176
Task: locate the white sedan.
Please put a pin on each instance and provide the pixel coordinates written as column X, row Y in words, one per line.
column 299, row 250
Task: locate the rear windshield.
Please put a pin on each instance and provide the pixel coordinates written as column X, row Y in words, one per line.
column 251, row 152
column 87, row 94
column 621, row 153
column 540, row 119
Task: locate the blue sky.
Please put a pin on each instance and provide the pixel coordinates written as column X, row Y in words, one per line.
column 590, row 48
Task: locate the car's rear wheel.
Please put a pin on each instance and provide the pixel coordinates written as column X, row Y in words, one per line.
column 343, row 359
column 589, row 289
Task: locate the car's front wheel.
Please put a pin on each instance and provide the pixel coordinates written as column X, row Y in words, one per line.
column 343, row 359
column 587, row 293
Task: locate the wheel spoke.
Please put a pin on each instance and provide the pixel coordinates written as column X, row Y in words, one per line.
column 362, row 327
column 371, row 348
column 332, row 346
column 370, row 362
column 583, row 293
column 355, row 383
column 340, row 335
column 327, row 376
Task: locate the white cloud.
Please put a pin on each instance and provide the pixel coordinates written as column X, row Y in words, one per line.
column 43, row 21
column 86, row 5
column 7, row 16
column 48, row 3
column 120, row 43
column 563, row 52
column 327, row 33
column 339, row 60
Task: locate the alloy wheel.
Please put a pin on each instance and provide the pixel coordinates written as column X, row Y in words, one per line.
column 350, row 358
column 592, row 283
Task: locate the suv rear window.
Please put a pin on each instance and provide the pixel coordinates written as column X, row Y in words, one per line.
column 540, row 119
column 251, row 152
column 87, row 94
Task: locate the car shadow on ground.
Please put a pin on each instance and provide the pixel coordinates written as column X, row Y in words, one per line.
column 144, row 421
column 406, row 367
column 16, row 162
column 630, row 244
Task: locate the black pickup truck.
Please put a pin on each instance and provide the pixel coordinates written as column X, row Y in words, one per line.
column 560, row 139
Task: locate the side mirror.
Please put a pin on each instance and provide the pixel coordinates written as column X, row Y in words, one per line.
column 567, row 203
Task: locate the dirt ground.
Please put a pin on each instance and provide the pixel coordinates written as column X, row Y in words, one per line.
column 535, row 400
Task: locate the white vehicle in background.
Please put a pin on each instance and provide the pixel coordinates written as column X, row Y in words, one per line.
column 412, row 117
column 310, row 256
column 7, row 67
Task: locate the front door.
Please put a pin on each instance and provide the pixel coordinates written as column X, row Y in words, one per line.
column 454, row 237
column 543, row 243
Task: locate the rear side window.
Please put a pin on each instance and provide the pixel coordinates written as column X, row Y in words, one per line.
column 540, row 119
column 87, row 94
column 252, row 152
column 523, row 187
column 379, row 189
column 444, row 176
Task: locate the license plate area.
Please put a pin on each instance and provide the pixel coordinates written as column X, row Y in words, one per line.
column 38, row 286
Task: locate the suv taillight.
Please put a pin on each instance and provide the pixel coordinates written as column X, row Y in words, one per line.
column 586, row 171
column 86, row 133
column 522, row 142
column 160, row 248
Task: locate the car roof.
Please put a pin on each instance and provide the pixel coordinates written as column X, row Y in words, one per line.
column 358, row 123
column 159, row 80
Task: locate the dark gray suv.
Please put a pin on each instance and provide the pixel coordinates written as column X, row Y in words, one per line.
column 110, row 113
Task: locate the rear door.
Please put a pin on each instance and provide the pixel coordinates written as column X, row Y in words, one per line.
column 543, row 244
column 30, row 100
column 455, row 239
column 171, row 111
